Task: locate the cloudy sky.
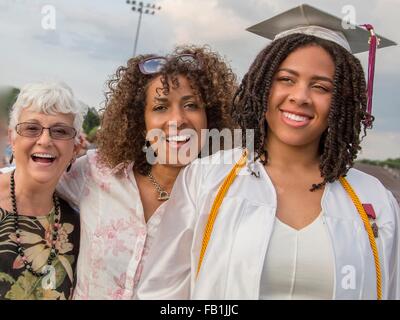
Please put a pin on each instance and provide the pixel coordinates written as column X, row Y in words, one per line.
column 93, row 37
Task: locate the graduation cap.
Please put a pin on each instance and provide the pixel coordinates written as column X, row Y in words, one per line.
column 309, row 20
column 306, row 19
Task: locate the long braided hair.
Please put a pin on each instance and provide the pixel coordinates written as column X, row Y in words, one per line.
column 340, row 143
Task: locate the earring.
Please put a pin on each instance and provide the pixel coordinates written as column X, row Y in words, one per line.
column 11, row 158
column 70, row 164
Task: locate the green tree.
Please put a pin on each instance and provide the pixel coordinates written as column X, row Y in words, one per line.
column 92, row 120
column 8, row 95
column 91, row 136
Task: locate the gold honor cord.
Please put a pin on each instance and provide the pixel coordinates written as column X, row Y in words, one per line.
column 217, row 203
column 368, row 228
column 224, row 189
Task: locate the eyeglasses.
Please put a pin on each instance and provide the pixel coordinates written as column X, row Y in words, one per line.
column 34, row 130
column 153, row 65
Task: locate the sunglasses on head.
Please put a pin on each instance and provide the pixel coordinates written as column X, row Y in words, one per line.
column 153, row 65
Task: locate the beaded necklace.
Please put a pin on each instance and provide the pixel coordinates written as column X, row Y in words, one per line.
column 20, row 250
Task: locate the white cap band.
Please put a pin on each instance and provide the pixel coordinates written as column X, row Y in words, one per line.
column 320, row 32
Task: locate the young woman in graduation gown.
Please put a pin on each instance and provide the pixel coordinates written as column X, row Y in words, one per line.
column 290, row 219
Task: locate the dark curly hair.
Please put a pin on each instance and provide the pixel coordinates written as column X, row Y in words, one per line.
column 340, row 143
column 121, row 137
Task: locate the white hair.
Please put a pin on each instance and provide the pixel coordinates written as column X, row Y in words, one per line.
column 48, row 98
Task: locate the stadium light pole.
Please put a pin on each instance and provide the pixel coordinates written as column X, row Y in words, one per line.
column 141, row 8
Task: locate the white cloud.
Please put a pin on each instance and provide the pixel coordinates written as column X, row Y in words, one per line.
column 83, row 50
column 206, row 21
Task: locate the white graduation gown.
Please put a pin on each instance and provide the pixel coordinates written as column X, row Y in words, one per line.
column 234, row 259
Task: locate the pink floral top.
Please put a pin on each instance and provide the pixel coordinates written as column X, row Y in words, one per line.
column 115, row 238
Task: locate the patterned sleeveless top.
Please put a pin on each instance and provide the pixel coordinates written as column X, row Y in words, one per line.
column 18, row 283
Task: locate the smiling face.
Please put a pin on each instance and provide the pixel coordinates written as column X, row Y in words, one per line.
column 300, row 98
column 179, row 116
column 42, row 158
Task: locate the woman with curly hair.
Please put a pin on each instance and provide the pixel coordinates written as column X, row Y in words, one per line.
column 121, row 189
column 299, row 223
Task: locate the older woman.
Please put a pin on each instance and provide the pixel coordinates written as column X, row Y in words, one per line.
column 39, row 232
column 151, row 128
column 296, row 222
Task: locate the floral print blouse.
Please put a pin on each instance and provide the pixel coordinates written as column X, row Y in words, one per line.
column 16, row 283
column 115, row 238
